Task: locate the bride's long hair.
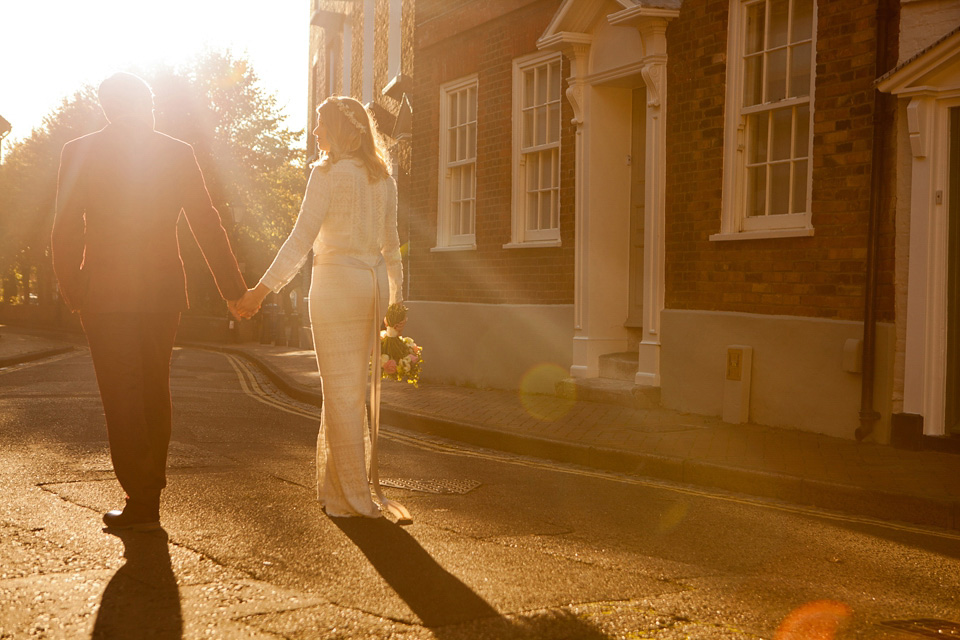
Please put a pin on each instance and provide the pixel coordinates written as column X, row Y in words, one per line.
column 352, row 132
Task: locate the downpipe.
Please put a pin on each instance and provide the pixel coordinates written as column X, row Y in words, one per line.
column 869, row 416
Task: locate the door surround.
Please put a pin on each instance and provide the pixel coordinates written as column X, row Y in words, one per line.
column 583, row 31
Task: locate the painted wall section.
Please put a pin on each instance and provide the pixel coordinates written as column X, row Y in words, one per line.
column 798, row 380
column 493, row 346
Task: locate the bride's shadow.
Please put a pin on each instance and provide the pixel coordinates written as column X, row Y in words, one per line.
column 438, row 598
column 142, row 599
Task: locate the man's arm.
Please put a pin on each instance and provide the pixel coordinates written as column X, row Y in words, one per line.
column 207, row 228
column 67, row 237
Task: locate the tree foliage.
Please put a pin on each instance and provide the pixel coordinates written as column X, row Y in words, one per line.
column 252, row 163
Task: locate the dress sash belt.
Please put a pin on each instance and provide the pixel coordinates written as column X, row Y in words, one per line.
column 394, row 507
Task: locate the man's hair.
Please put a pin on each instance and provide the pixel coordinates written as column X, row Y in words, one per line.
column 124, row 94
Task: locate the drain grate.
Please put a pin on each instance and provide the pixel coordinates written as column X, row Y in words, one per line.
column 926, row 627
column 459, row 487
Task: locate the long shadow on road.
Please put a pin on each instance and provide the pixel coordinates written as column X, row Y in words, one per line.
column 441, row 600
column 142, row 599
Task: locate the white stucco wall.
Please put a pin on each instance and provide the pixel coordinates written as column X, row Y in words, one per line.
column 798, row 380
column 493, row 346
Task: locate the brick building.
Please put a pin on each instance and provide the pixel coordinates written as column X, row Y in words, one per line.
column 709, row 195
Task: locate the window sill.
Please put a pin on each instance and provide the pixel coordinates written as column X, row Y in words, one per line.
column 536, row 244
column 762, row 234
column 462, row 247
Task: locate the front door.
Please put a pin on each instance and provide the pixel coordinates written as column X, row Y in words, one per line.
column 638, row 150
column 952, row 409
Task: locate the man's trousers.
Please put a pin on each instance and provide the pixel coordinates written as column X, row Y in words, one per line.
column 131, row 355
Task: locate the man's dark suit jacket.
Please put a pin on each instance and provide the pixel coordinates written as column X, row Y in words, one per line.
column 114, row 241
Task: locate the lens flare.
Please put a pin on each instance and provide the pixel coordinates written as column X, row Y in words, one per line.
column 813, row 621
column 537, row 389
column 673, row 516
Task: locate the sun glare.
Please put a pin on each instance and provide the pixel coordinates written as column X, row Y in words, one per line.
column 68, row 44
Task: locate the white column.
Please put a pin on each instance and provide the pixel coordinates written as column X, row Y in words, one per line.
column 925, row 349
column 576, row 47
column 653, row 32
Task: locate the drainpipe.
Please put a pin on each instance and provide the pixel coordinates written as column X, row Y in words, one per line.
column 869, row 416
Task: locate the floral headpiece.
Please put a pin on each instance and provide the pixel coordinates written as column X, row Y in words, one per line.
column 347, row 113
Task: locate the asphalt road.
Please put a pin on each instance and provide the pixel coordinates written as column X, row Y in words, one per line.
column 500, row 547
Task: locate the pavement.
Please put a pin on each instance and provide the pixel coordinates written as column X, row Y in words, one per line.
column 863, row 479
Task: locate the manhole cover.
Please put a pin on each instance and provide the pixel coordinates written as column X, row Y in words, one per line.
column 926, row 627
column 431, row 486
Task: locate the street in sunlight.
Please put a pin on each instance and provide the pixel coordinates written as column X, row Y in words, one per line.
column 502, row 545
column 472, row 320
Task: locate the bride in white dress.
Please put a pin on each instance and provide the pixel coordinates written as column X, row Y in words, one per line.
column 349, row 219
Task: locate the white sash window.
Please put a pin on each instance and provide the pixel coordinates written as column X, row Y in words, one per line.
column 458, row 165
column 769, row 134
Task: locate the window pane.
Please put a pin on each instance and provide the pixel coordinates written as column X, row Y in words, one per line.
column 461, row 143
column 527, row 139
column 800, row 187
column 533, row 170
column 471, row 105
column 776, row 76
column 756, row 190
column 455, row 183
column 800, row 70
column 470, row 217
column 753, row 80
column 779, row 188
column 757, row 138
column 554, row 93
column 452, row 108
column 801, row 144
column 782, row 128
column 528, row 86
column 545, row 181
column 531, row 213
column 553, row 126
column 541, row 119
column 466, row 179
column 777, row 24
column 452, row 145
column 472, row 140
column 541, row 84
column 755, row 24
column 802, row 28
column 554, row 209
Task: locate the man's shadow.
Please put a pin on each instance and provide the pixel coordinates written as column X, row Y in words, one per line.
column 142, row 599
column 441, row 600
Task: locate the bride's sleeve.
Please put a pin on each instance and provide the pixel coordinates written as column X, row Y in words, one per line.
column 293, row 253
column 391, row 244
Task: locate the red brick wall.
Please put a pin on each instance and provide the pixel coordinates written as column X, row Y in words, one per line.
column 819, row 276
column 456, row 39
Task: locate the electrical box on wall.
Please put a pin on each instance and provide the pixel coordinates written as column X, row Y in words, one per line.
column 736, row 384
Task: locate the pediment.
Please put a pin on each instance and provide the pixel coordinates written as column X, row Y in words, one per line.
column 581, row 16
column 934, row 70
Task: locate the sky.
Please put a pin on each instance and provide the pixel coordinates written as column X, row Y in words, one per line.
column 51, row 48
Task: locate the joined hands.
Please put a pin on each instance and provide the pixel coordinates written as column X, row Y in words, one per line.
column 249, row 304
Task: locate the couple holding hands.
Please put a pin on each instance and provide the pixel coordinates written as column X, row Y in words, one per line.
column 120, row 193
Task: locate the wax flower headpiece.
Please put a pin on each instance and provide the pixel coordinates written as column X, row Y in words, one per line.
column 347, row 113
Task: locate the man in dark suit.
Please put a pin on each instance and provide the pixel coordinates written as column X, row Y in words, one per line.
column 117, row 258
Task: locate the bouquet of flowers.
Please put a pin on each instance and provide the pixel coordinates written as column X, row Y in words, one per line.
column 400, row 358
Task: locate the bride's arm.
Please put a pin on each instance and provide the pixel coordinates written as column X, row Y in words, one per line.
column 295, row 248
column 391, row 244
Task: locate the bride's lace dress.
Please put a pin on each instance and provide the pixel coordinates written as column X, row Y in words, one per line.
column 344, row 218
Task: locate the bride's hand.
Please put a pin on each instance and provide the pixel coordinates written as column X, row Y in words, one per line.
column 249, row 304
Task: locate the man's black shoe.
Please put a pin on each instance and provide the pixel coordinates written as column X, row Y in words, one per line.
column 129, row 519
